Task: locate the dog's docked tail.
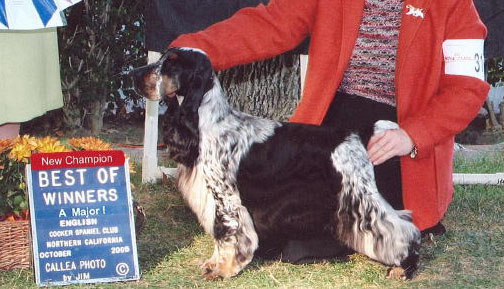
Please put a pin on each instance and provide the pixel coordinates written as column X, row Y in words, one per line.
column 379, row 126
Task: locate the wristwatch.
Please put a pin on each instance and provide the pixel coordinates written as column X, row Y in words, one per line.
column 414, row 152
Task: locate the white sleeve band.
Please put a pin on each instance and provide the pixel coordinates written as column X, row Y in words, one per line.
column 464, row 57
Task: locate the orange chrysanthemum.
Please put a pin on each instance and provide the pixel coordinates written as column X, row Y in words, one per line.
column 5, row 144
column 89, row 144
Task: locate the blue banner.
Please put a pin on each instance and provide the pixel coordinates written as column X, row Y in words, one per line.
column 82, row 225
column 3, row 14
column 45, row 9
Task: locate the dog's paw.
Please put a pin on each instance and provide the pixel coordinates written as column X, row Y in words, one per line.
column 210, row 270
column 213, row 271
column 396, row 273
column 211, row 274
column 209, row 264
column 219, row 270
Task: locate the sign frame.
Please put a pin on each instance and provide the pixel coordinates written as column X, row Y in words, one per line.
column 34, row 232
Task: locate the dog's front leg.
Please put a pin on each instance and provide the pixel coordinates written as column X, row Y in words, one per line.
column 235, row 237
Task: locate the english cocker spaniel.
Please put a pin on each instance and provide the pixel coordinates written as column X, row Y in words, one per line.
column 257, row 183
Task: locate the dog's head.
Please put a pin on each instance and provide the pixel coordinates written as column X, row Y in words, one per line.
column 182, row 72
column 185, row 74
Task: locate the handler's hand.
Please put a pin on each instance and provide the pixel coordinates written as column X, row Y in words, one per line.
column 388, row 144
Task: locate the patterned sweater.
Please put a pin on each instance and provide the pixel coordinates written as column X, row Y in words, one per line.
column 370, row 72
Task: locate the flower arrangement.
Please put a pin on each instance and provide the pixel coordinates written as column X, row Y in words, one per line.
column 15, row 154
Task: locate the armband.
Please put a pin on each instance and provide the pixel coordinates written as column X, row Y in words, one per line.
column 464, row 57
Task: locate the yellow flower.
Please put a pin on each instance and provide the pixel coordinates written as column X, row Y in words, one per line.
column 50, row 145
column 89, row 144
column 22, row 148
column 131, row 165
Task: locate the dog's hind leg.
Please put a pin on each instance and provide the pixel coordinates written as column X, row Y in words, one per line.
column 364, row 220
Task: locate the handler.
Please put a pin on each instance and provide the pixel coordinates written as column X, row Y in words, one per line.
column 417, row 62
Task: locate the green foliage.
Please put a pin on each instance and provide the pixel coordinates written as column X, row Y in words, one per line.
column 102, row 39
column 489, row 163
column 495, row 70
column 12, row 190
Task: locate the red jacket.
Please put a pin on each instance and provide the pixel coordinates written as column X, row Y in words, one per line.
column 432, row 106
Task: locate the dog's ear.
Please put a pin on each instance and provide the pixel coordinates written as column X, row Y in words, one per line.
column 147, row 80
column 172, row 106
column 199, row 82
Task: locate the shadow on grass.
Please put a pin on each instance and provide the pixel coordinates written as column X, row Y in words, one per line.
column 171, row 227
column 169, row 224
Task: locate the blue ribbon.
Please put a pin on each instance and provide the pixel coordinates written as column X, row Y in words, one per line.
column 45, row 9
column 3, row 15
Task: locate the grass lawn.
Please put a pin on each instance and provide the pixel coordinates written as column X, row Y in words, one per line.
column 172, row 245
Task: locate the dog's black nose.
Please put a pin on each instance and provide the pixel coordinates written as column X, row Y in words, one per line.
column 138, row 75
column 144, row 79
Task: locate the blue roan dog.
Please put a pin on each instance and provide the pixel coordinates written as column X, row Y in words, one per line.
column 255, row 184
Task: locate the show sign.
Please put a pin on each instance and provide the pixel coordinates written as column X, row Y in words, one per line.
column 81, row 218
